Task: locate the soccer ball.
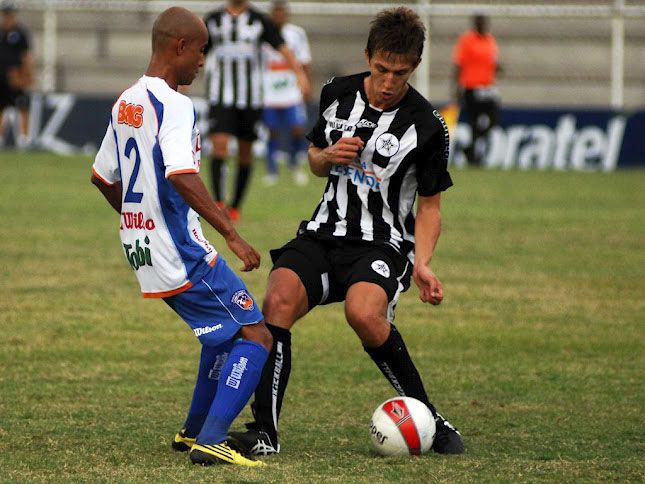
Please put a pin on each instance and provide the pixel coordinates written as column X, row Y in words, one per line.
column 402, row 426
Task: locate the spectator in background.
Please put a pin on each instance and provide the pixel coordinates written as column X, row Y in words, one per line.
column 16, row 71
column 285, row 109
column 476, row 65
column 236, row 33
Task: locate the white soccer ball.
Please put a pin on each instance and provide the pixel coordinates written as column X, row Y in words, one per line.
column 402, row 426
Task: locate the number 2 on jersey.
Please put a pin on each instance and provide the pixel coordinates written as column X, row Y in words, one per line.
column 130, row 195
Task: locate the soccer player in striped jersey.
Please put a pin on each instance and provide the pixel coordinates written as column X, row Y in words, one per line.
column 379, row 143
column 235, row 72
column 147, row 169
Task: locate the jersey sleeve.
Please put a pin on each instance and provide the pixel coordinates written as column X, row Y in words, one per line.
column 432, row 161
column 106, row 163
column 302, row 50
column 270, row 33
column 317, row 133
column 175, row 137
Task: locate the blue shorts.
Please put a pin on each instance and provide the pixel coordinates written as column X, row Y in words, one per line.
column 217, row 306
column 284, row 118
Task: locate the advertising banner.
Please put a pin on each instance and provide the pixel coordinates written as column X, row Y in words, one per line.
column 528, row 138
column 561, row 139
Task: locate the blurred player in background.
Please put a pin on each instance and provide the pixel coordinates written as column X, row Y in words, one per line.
column 379, row 143
column 476, row 65
column 235, row 66
column 16, row 70
column 285, row 110
column 148, row 170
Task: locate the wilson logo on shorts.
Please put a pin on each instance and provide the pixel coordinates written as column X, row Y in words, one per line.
column 381, row 268
column 243, row 300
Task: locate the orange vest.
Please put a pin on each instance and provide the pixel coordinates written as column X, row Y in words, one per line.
column 476, row 55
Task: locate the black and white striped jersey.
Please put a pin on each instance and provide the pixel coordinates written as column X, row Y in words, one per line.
column 406, row 152
column 234, row 64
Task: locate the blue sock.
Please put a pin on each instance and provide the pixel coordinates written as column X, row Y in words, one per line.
column 272, row 164
column 239, row 377
column 210, row 364
column 297, row 147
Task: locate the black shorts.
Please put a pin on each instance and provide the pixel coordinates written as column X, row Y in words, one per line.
column 13, row 97
column 241, row 123
column 482, row 101
column 328, row 269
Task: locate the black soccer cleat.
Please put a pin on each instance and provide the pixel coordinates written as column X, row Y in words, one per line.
column 253, row 442
column 447, row 439
column 181, row 443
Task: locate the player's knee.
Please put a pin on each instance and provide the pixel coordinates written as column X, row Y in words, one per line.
column 265, row 338
column 360, row 318
column 364, row 320
column 281, row 308
column 260, row 334
column 278, row 306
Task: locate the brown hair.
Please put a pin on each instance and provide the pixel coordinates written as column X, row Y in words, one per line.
column 397, row 31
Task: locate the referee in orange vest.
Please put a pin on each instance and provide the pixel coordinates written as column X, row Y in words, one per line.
column 476, row 64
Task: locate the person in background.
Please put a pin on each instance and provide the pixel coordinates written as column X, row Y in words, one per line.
column 476, row 63
column 235, row 70
column 16, row 70
column 285, row 110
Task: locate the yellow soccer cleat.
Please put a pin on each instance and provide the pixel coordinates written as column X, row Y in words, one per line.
column 218, row 454
column 181, row 443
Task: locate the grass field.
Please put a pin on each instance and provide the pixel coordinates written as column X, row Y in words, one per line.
column 536, row 353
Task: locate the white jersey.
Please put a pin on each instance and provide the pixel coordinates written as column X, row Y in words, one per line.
column 151, row 136
column 280, row 84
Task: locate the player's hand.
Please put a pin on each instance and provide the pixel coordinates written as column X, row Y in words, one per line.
column 345, row 151
column 247, row 254
column 430, row 287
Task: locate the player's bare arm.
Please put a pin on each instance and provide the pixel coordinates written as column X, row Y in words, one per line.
column 192, row 189
column 301, row 75
column 427, row 230
column 343, row 152
column 112, row 193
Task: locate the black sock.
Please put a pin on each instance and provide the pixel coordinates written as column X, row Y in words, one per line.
column 243, row 173
column 394, row 361
column 273, row 383
column 217, row 169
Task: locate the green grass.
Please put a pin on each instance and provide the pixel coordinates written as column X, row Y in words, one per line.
column 536, row 352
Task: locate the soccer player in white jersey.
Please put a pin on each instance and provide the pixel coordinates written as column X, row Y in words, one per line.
column 382, row 147
column 284, row 108
column 147, row 169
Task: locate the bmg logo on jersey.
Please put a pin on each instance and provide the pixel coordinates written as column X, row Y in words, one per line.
column 138, row 256
column 130, row 114
column 243, row 300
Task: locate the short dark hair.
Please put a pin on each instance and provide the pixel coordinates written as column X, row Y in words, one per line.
column 397, row 31
column 8, row 6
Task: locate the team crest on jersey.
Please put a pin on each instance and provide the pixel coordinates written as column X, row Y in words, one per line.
column 243, row 300
column 381, row 268
column 387, row 145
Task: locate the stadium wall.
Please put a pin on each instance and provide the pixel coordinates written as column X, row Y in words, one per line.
column 529, row 138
